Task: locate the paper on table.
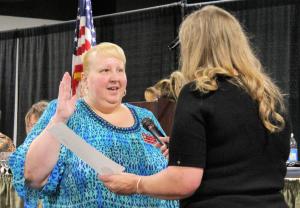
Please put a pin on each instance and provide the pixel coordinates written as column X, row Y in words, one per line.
column 89, row 154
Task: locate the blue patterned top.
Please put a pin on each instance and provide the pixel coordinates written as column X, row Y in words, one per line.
column 72, row 183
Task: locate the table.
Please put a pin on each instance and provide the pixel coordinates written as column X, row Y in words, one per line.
column 8, row 196
column 291, row 190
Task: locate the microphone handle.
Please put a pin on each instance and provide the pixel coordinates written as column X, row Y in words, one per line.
column 156, row 135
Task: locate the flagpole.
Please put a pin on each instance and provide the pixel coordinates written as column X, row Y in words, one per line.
column 15, row 133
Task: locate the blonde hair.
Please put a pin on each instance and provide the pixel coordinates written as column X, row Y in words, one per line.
column 166, row 88
column 213, row 44
column 177, row 81
column 151, row 94
column 163, row 87
column 106, row 49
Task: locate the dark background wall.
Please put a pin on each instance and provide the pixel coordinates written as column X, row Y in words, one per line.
column 46, row 52
column 67, row 9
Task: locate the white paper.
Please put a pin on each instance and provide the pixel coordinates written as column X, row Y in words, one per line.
column 99, row 162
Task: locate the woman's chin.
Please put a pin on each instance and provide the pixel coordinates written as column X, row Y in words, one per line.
column 114, row 101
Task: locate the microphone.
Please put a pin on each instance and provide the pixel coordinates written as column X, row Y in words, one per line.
column 150, row 126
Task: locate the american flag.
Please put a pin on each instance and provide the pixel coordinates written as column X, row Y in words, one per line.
column 85, row 38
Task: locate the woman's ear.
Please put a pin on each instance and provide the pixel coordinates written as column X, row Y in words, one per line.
column 83, row 76
column 81, row 89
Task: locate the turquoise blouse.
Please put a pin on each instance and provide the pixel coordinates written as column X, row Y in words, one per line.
column 72, row 183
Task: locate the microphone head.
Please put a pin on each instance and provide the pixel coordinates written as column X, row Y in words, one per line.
column 149, row 125
column 147, row 122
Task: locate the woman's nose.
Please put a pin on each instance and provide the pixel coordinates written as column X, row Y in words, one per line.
column 114, row 76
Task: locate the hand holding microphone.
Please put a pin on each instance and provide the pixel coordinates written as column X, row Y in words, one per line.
column 156, row 133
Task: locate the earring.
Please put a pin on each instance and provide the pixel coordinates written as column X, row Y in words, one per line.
column 84, row 89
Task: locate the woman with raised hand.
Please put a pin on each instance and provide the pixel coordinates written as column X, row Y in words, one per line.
column 43, row 168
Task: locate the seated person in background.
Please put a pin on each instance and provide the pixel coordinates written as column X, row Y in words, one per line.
column 166, row 88
column 8, row 196
column 32, row 117
column 6, row 144
column 160, row 89
column 34, row 113
column 43, row 168
column 151, row 94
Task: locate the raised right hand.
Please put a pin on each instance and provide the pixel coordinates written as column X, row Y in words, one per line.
column 65, row 101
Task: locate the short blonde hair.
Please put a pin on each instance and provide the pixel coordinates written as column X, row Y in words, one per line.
column 107, row 49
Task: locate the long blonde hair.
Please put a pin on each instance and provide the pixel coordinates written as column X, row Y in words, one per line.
column 177, row 81
column 213, row 43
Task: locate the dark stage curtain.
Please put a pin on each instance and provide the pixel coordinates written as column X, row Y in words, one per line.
column 145, row 37
column 274, row 30
column 8, row 44
column 44, row 55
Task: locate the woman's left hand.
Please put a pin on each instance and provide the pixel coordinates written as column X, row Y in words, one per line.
column 125, row 183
